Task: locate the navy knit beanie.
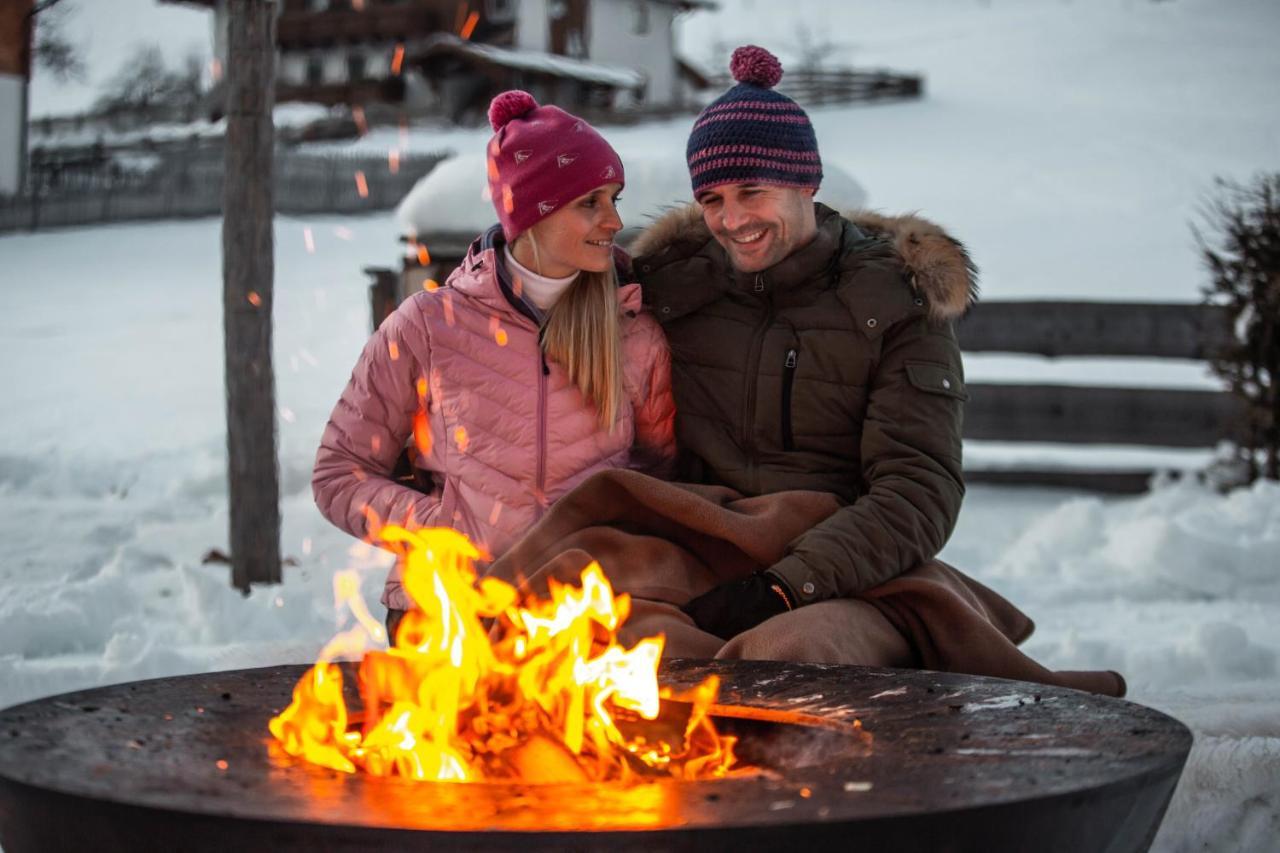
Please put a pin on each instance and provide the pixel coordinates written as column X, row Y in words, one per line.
column 752, row 134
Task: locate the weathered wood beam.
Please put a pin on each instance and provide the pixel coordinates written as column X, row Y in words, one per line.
column 247, row 297
column 1057, row 329
column 1159, row 417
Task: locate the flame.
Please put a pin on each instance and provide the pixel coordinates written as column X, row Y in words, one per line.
column 362, row 185
column 397, row 61
column 482, row 685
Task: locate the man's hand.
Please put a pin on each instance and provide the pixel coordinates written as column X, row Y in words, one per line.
column 731, row 608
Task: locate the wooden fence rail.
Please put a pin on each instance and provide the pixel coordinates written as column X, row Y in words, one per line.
column 842, row 86
column 182, row 188
column 1058, row 329
column 1074, row 414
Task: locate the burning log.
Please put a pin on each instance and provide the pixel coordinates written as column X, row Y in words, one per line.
column 454, row 700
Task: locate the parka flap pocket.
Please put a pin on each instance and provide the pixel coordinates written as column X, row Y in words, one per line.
column 936, row 378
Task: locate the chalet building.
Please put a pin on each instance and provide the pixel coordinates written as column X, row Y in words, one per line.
column 15, row 71
column 449, row 57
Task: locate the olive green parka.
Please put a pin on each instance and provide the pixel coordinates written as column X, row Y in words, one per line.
column 835, row 370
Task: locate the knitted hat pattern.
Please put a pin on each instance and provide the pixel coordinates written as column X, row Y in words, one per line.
column 752, row 134
column 540, row 159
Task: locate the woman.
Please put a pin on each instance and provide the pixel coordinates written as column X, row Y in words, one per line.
column 530, row 370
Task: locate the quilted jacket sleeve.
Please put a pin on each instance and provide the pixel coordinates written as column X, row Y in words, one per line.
column 911, row 466
column 655, row 411
column 369, row 428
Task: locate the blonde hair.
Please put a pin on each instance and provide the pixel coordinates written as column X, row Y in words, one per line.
column 582, row 333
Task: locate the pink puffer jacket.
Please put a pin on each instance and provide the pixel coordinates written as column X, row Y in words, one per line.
column 508, row 432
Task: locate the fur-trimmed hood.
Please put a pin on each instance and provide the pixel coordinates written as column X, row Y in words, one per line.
column 937, row 264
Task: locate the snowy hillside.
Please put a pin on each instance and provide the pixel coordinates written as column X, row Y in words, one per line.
column 1068, row 143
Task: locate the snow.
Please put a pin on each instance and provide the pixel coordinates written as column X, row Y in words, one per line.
column 539, row 61
column 1067, row 143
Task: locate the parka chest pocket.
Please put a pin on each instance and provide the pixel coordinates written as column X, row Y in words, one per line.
column 934, row 378
column 790, row 360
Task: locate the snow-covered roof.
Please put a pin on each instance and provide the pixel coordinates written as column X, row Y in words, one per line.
column 533, row 60
column 452, row 199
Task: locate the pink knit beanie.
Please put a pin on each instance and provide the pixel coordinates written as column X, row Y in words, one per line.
column 541, row 158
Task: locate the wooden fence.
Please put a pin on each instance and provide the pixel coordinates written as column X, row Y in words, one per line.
column 191, row 186
column 1148, row 417
column 842, row 86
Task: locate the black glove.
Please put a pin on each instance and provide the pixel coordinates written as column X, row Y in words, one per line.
column 731, row 608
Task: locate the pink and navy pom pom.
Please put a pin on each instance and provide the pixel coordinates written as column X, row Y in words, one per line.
column 755, row 65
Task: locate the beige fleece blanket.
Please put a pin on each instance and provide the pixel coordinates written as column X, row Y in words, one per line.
column 665, row 543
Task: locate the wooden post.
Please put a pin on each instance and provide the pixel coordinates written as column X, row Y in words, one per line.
column 247, row 270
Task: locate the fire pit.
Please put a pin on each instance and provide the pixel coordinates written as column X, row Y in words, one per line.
column 952, row 763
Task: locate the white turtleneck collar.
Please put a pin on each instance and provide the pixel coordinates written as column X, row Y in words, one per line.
column 535, row 288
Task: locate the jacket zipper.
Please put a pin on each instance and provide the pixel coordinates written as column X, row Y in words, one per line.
column 788, row 376
column 752, row 382
column 540, row 484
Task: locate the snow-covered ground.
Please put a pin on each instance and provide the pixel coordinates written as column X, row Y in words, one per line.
column 1068, row 143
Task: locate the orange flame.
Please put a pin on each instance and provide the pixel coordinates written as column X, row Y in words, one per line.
column 362, row 185
column 546, row 694
column 397, row 60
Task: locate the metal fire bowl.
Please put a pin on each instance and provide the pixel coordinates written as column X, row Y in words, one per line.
column 958, row 763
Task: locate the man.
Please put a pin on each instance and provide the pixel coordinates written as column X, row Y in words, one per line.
column 808, row 353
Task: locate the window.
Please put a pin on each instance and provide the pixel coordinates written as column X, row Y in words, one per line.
column 500, row 11
column 640, row 17
column 315, row 70
column 355, row 66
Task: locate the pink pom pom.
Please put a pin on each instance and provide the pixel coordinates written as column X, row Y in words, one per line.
column 513, row 104
column 753, row 64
